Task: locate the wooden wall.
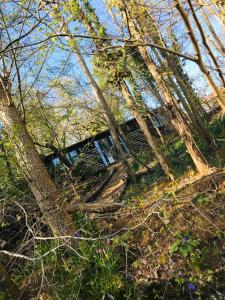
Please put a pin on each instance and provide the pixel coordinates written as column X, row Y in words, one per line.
column 89, row 161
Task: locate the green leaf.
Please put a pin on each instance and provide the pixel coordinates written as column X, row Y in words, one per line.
column 175, row 247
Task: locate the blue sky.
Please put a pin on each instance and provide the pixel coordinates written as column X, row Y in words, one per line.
column 55, row 59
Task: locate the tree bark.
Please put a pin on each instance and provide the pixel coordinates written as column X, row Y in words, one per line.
column 198, row 126
column 135, row 109
column 93, row 207
column 220, row 45
column 98, row 96
column 176, row 118
column 174, row 65
column 138, row 98
column 203, row 68
column 144, row 128
column 108, row 115
column 205, row 43
column 212, row 6
column 39, row 181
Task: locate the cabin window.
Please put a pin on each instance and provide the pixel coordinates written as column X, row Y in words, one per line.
column 56, row 161
column 107, row 146
column 122, row 142
column 101, row 153
column 72, row 156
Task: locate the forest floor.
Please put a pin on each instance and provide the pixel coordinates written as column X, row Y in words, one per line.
column 169, row 237
column 174, row 235
column 166, row 240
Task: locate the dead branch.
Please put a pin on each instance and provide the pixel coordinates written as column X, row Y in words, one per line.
column 94, row 207
column 94, row 192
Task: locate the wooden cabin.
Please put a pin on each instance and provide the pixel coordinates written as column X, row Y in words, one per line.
column 98, row 152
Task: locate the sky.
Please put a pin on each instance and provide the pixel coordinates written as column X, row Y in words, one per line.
column 56, row 59
column 191, row 68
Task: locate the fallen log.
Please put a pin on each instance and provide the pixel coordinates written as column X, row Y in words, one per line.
column 209, row 183
column 94, row 192
column 93, row 207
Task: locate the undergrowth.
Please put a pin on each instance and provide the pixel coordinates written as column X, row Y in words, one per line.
column 175, row 254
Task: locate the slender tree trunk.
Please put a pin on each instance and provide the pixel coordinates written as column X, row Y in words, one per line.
column 138, row 98
column 136, row 105
column 193, row 115
column 205, row 43
column 197, row 118
column 182, row 101
column 176, row 118
column 144, row 128
column 156, row 93
column 175, row 66
column 108, row 115
column 203, row 68
column 93, row 29
column 220, row 45
column 193, row 109
column 97, row 93
column 189, row 94
column 212, row 6
column 44, row 190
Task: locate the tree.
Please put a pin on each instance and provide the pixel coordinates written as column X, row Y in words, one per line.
column 49, row 200
column 176, row 117
column 44, row 190
column 219, row 45
column 117, row 77
column 201, row 64
column 57, row 15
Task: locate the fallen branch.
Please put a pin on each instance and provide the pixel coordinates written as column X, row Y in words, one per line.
column 212, row 182
column 121, row 191
column 94, row 207
column 93, row 193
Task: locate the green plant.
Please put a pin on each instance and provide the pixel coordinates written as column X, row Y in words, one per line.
column 143, row 157
column 201, row 199
column 184, row 245
column 94, row 275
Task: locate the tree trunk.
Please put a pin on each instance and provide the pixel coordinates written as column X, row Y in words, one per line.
column 102, row 101
column 108, row 115
column 198, row 118
column 203, row 68
column 174, row 65
column 220, row 45
column 105, row 207
column 138, row 98
column 44, row 190
column 189, row 102
column 144, row 128
column 176, row 118
column 206, row 45
column 193, row 115
column 189, row 93
column 215, row 9
column 137, row 104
